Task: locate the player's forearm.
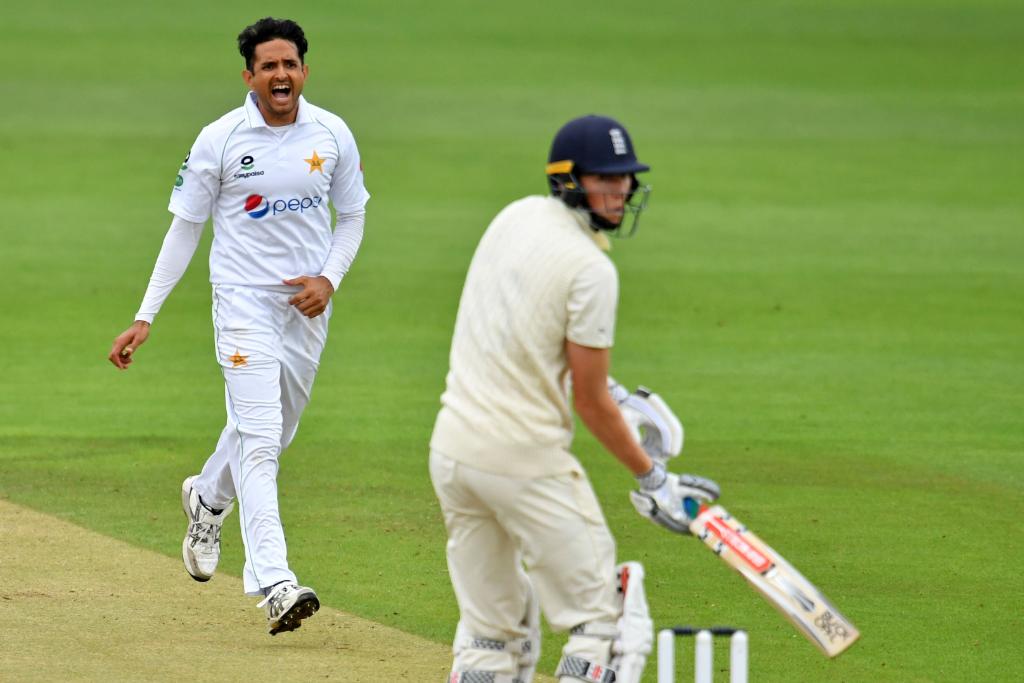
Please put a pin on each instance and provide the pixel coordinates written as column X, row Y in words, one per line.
column 604, row 420
column 348, row 235
column 176, row 253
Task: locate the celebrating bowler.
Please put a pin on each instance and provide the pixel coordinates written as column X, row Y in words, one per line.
column 265, row 173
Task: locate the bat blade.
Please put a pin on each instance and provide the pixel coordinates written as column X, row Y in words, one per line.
column 777, row 580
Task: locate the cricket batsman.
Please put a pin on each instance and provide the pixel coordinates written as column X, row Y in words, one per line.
column 266, row 173
column 532, row 340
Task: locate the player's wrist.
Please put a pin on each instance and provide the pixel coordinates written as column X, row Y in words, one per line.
column 333, row 279
column 653, row 478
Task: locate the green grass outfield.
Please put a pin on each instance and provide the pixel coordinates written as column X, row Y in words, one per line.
column 828, row 287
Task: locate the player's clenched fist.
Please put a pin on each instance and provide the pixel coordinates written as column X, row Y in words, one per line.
column 314, row 296
column 127, row 343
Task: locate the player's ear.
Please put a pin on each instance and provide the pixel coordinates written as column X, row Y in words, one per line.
column 305, row 70
column 247, row 76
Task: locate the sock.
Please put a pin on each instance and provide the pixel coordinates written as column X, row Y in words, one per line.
column 270, row 589
column 216, row 512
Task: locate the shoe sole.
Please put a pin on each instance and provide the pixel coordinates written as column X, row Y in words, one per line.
column 292, row 619
column 193, row 571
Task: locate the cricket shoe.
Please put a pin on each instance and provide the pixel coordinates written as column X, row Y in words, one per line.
column 287, row 605
column 201, row 548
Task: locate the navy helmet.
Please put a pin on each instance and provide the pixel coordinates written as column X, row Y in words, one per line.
column 598, row 145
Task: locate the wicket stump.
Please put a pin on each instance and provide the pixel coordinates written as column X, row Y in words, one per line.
column 703, row 653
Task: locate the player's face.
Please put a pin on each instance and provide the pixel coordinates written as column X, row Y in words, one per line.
column 606, row 194
column 277, row 77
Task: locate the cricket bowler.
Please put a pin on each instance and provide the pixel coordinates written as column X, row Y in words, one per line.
column 266, row 174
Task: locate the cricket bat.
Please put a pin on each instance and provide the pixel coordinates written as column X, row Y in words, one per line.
column 777, row 580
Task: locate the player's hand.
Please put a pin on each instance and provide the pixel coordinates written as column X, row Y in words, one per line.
column 314, row 296
column 674, row 500
column 127, row 343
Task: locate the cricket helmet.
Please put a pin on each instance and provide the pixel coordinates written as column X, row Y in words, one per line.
column 595, row 145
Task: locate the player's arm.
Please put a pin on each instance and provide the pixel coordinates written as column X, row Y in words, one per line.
column 348, row 235
column 176, row 253
column 669, row 500
column 317, row 290
column 597, row 409
column 349, row 197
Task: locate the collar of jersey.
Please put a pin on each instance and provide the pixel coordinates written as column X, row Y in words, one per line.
column 583, row 220
column 255, row 118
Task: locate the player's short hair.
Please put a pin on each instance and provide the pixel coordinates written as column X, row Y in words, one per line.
column 267, row 29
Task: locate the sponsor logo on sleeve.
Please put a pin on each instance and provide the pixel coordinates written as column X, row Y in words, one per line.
column 180, row 179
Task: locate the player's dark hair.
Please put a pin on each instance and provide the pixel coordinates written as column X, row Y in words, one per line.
column 267, row 29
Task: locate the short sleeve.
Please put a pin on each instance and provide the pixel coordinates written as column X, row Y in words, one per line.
column 593, row 300
column 198, row 183
column 348, row 193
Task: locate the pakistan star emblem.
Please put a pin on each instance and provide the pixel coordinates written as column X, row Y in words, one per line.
column 315, row 163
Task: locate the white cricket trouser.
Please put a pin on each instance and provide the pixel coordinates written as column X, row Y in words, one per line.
column 551, row 525
column 269, row 354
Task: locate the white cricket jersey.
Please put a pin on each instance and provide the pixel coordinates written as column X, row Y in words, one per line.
column 538, row 278
column 267, row 189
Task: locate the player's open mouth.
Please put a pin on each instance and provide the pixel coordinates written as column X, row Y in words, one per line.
column 281, row 92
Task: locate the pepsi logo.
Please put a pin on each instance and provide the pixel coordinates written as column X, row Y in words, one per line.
column 257, row 205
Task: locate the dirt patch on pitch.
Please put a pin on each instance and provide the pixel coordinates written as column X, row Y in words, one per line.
column 78, row 606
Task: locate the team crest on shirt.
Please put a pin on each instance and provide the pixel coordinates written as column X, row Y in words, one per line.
column 315, row 163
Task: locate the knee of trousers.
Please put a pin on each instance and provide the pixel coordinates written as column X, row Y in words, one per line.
column 260, row 449
column 261, row 436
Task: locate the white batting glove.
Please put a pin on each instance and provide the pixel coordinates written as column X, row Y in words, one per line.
column 672, row 500
column 654, row 425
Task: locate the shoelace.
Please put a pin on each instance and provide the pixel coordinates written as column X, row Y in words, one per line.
column 275, row 596
column 200, row 532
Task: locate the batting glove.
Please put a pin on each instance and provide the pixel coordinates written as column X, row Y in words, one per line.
column 652, row 422
column 672, row 500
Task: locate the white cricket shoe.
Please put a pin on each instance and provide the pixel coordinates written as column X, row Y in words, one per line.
column 201, row 548
column 287, row 605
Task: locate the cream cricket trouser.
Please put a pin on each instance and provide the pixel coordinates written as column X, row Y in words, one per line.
column 269, row 354
column 552, row 526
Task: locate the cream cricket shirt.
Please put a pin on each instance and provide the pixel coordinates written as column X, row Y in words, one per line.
column 538, row 277
column 267, row 189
